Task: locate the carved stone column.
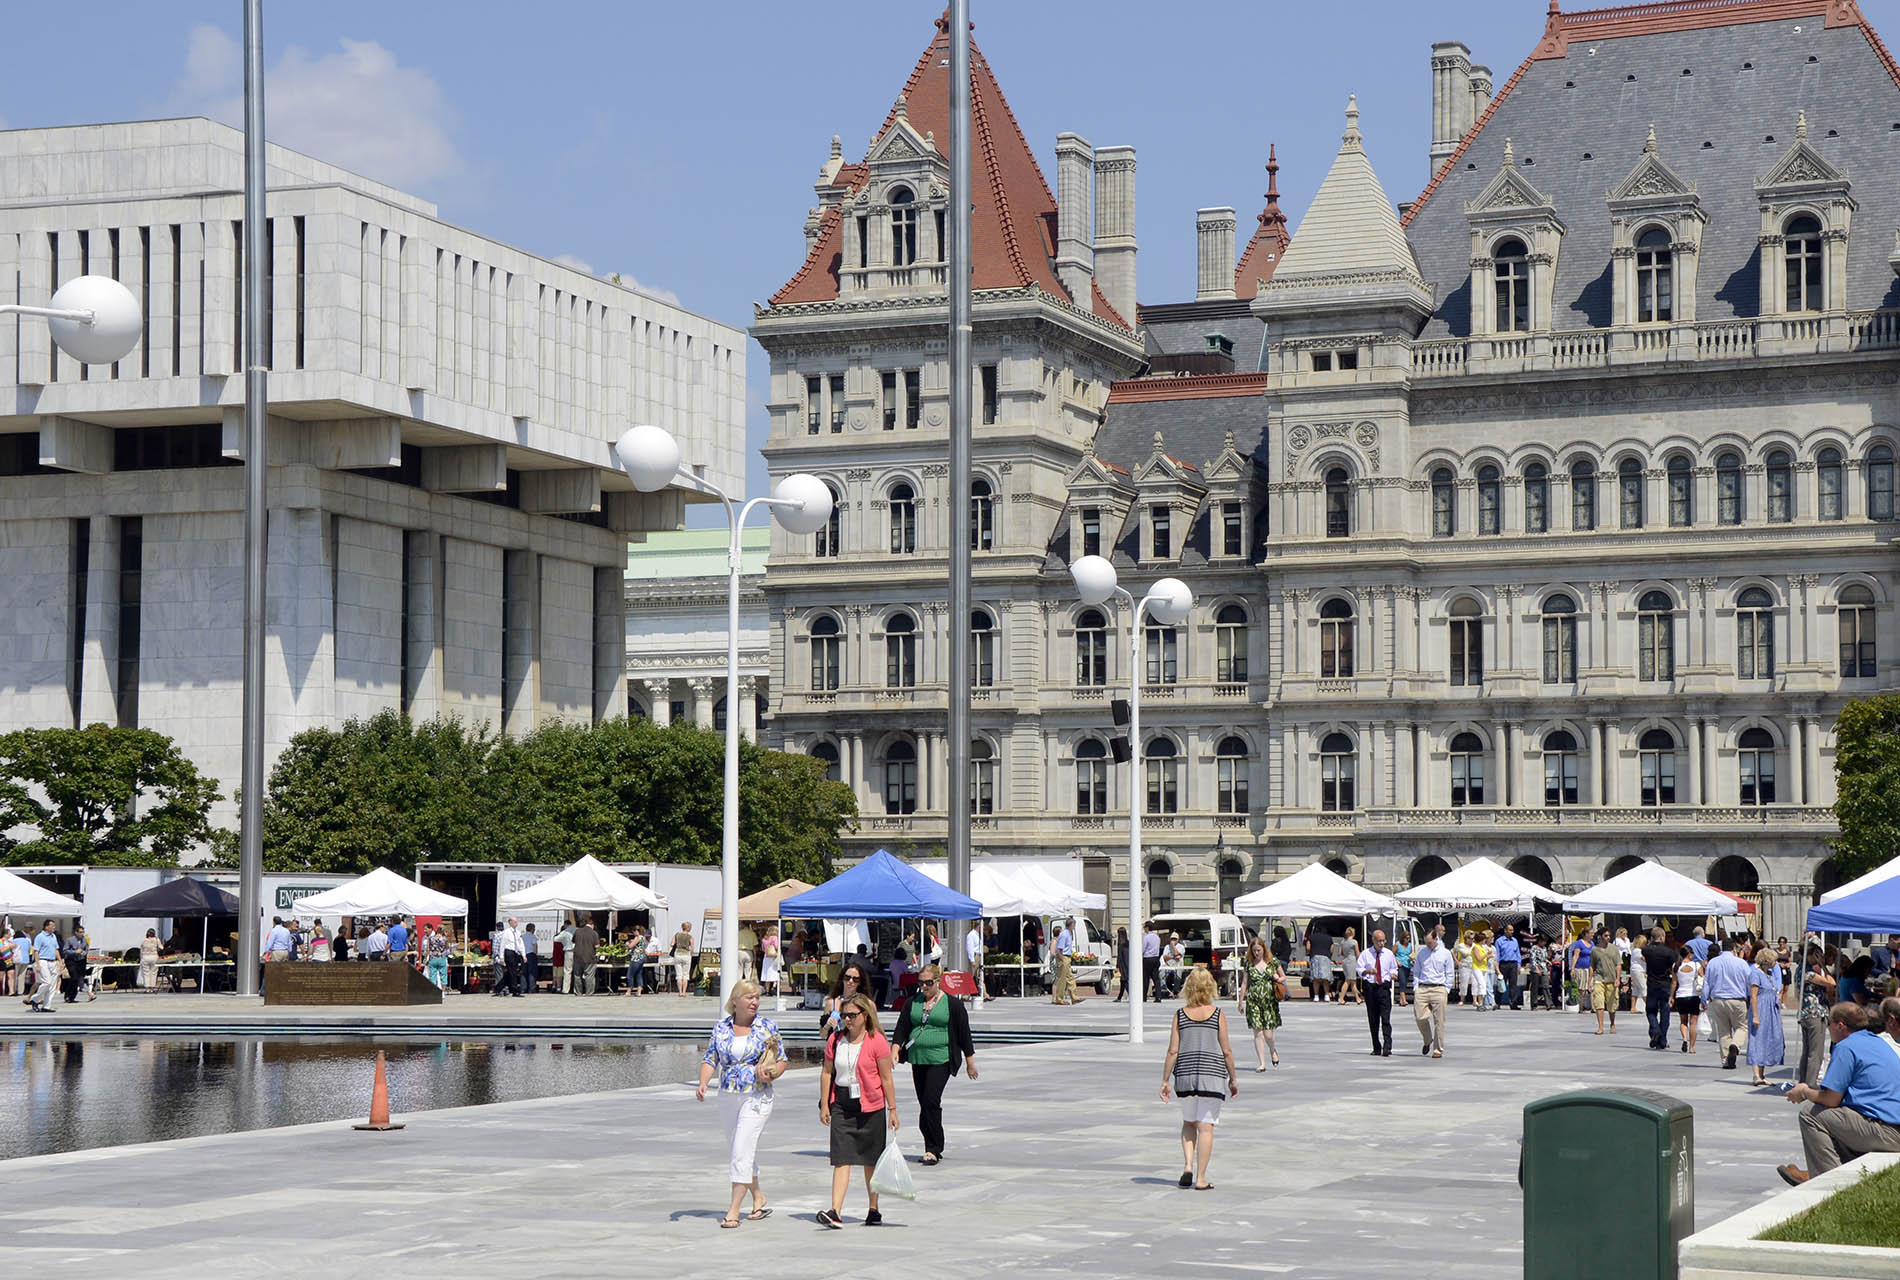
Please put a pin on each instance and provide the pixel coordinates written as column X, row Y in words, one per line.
column 703, row 702
column 660, row 701
column 748, row 708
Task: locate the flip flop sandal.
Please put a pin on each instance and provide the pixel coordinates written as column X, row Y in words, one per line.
column 758, row 1214
column 729, row 1224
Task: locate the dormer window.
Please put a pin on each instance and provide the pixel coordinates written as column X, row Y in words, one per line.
column 1801, row 249
column 1512, row 269
column 1160, row 532
column 1655, row 277
column 903, row 227
column 1232, row 532
column 1091, row 531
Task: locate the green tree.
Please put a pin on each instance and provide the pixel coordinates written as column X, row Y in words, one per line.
column 1867, row 777
column 100, row 796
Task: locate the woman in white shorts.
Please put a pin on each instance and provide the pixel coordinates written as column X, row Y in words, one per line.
column 1200, row 1069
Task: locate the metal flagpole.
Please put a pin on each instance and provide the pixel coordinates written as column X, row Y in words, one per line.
column 958, row 734
column 256, row 390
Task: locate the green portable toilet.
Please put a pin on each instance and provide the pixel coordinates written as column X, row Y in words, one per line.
column 1609, row 1185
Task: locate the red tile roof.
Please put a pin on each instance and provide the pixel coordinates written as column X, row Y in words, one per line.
column 1269, row 242
column 1649, row 19
column 1210, row 386
column 1013, row 223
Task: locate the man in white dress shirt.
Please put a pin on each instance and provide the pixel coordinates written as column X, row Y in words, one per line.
column 973, row 952
column 508, row 942
column 1431, row 984
column 1377, row 968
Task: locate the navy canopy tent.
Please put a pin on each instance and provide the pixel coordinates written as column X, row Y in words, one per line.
column 881, row 888
column 1875, row 909
column 177, row 899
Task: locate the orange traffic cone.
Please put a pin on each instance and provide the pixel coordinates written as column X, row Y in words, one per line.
column 379, row 1099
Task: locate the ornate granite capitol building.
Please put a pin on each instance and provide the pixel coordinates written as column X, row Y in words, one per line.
column 1547, row 516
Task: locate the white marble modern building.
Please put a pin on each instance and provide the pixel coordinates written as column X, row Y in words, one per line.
column 448, row 531
column 1548, row 516
column 676, row 629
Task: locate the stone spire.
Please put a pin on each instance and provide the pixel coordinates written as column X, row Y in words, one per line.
column 1350, row 231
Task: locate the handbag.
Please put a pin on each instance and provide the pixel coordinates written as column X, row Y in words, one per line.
column 1279, row 989
column 769, row 1056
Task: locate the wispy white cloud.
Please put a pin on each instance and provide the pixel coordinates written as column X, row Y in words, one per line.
column 573, row 263
column 356, row 107
column 576, row 263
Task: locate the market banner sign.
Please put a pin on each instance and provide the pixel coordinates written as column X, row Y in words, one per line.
column 289, row 895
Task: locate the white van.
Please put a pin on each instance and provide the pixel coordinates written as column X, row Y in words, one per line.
column 1203, row 934
column 1087, row 943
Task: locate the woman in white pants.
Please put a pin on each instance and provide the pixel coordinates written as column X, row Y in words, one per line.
column 746, row 1055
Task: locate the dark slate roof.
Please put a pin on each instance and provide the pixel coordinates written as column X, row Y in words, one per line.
column 1192, row 430
column 1182, row 327
column 1631, row 82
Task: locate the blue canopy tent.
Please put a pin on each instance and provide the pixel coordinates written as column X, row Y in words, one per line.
column 1875, row 909
column 881, row 888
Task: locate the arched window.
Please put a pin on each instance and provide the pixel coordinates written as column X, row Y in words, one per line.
column 982, row 777
column 1656, row 759
column 1655, row 636
column 1755, row 766
column 900, row 652
column 1536, row 498
column 1730, row 493
column 1490, row 501
column 1444, row 503
column 1560, row 768
column 1532, row 868
column 1339, row 867
column 1337, row 770
column 827, row 646
column 982, row 515
column 1628, row 862
column 1780, row 487
column 1160, row 886
column 1629, row 493
column 1655, row 277
column 903, row 503
column 1164, row 776
column 1163, row 647
column 1335, row 639
column 1091, row 649
column 1879, row 467
column 827, row 752
column 1091, row 777
column 900, row 777
column 1466, row 633
column 1560, row 640
column 1681, row 492
column 1583, row 494
column 1467, row 770
column 1230, row 768
column 1755, row 635
column 1801, row 250
column 1856, row 615
column 830, row 539
column 1513, row 278
column 1338, row 504
column 903, row 227
column 982, row 649
column 636, row 709
column 1230, row 882
column 1426, row 869
column 1829, row 486
column 1230, row 645
column 1735, row 874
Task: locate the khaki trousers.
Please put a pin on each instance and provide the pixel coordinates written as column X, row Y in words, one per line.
column 1429, row 1009
column 1832, row 1136
column 1065, row 981
column 1728, row 1023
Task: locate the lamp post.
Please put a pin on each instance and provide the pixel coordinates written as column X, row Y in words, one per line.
column 94, row 319
column 801, row 504
column 1167, row 602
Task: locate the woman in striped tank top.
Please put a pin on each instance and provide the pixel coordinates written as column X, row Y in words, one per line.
column 1200, row 1069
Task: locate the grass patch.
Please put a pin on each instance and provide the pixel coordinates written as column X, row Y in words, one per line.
column 1866, row 1213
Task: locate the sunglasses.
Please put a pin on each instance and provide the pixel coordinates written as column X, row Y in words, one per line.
column 926, row 982
column 850, row 977
column 854, row 1014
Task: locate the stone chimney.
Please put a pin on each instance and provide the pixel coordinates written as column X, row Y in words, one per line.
column 1075, row 263
column 1480, row 94
column 1115, row 228
column 1214, row 257
column 1451, row 98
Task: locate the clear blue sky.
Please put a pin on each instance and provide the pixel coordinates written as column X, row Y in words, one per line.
column 677, row 144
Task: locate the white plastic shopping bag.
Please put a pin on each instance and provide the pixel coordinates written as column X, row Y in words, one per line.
column 891, row 1177
column 1702, row 1027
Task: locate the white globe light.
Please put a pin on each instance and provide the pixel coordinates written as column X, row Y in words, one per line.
column 814, row 499
column 1169, row 601
column 115, row 325
column 649, row 455
column 1094, row 579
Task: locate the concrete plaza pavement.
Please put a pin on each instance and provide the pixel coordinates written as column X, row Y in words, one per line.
column 1062, row 1161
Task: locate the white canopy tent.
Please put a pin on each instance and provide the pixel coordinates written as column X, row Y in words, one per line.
column 1651, row 889
column 1885, row 871
column 1480, row 885
column 999, row 893
column 1066, row 897
column 21, row 897
column 1018, row 890
column 1314, row 890
column 380, row 893
column 588, row 885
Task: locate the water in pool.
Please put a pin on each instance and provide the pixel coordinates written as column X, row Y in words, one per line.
column 76, row 1093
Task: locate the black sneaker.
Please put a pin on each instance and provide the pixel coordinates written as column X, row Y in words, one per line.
column 874, row 1219
column 829, row 1218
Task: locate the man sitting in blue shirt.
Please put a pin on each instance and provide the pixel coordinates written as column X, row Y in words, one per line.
column 1857, row 1104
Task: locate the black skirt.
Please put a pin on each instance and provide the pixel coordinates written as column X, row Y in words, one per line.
column 1688, row 1006
column 857, row 1135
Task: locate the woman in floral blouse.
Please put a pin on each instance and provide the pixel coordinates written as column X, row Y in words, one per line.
column 747, row 1056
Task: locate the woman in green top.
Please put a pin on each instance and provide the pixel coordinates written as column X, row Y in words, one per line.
column 933, row 1035
column 1261, row 1002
